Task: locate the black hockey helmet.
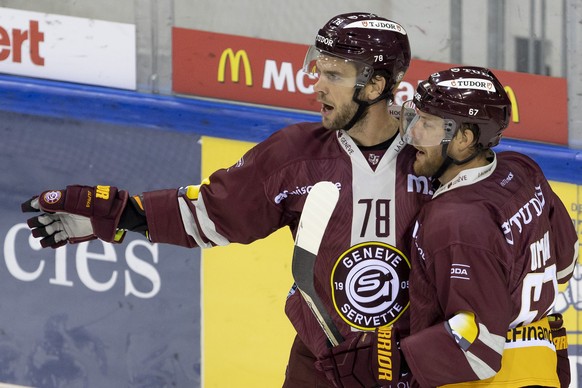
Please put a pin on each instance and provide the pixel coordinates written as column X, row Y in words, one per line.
column 467, row 95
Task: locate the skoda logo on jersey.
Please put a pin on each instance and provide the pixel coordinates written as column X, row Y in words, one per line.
column 370, row 285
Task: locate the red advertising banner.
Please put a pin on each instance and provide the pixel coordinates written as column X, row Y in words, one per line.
column 268, row 72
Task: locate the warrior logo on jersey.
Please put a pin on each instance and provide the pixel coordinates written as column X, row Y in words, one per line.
column 370, row 285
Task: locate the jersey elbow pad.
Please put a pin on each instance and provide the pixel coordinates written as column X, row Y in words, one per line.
column 464, row 329
column 481, row 348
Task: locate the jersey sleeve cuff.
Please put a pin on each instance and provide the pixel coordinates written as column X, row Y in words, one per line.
column 163, row 217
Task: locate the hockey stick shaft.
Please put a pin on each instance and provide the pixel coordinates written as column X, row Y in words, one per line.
column 307, row 289
column 315, row 217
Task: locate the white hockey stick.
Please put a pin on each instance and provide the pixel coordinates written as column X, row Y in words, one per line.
column 319, row 206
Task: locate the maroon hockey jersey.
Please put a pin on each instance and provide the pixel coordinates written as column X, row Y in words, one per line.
column 362, row 268
column 494, row 242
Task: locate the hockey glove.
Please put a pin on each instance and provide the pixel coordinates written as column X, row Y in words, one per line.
column 77, row 214
column 364, row 359
column 560, row 340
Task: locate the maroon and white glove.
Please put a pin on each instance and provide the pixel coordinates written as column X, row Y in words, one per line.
column 77, row 214
column 365, row 359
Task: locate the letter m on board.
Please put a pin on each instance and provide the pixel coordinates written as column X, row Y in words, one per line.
column 235, row 60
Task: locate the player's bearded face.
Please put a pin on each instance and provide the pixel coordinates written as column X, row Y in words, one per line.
column 428, row 160
column 341, row 116
column 428, row 134
column 335, row 90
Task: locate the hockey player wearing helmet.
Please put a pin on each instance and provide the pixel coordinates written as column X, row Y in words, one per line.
column 359, row 59
column 488, row 251
column 452, row 102
column 361, row 56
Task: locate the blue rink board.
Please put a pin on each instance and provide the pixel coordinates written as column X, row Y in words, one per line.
column 211, row 118
column 95, row 314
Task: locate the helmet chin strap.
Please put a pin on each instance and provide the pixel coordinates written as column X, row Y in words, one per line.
column 362, row 106
column 447, row 163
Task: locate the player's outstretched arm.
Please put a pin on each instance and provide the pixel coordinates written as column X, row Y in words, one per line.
column 77, row 214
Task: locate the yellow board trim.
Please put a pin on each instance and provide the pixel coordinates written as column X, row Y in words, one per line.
column 246, row 335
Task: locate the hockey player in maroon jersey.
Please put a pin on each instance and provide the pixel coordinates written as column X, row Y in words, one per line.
column 488, row 253
column 359, row 60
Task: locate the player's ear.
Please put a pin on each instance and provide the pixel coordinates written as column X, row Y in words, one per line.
column 465, row 138
column 463, row 143
column 375, row 87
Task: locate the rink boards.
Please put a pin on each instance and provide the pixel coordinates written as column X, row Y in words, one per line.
column 137, row 314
